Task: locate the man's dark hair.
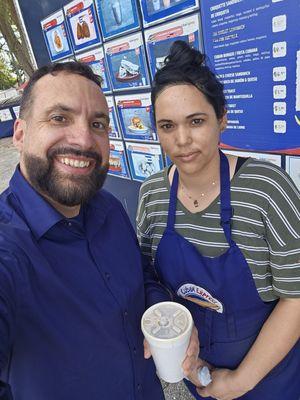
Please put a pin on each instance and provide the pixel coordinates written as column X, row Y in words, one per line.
column 70, row 67
column 185, row 65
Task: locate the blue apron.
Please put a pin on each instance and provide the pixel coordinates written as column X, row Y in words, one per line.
column 231, row 312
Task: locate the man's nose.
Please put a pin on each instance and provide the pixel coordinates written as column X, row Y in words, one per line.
column 81, row 135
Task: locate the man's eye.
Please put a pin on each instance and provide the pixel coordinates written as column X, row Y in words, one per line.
column 58, row 118
column 99, row 125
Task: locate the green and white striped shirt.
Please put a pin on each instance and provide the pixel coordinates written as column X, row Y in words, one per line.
column 265, row 225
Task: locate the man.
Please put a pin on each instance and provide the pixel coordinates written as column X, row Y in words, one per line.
column 71, row 279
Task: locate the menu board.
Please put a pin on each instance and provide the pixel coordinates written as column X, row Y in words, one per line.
column 114, row 131
column 293, row 168
column 154, row 11
column 5, row 115
column 117, row 17
column 269, row 157
column 56, row 37
column 144, row 160
column 135, row 114
column 255, row 48
column 16, row 110
column 96, row 60
column 118, row 165
column 160, row 38
column 82, row 24
column 127, row 62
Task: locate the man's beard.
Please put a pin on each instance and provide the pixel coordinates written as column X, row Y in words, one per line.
column 69, row 190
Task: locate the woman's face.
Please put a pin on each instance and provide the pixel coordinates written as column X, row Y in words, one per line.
column 188, row 127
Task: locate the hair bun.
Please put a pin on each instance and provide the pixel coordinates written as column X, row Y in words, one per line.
column 183, row 55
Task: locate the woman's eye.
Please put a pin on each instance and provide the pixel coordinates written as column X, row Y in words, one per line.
column 197, row 121
column 166, row 126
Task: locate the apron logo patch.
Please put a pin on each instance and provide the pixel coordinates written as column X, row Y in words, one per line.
column 200, row 296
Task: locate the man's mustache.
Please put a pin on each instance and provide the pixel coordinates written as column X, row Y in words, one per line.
column 71, row 151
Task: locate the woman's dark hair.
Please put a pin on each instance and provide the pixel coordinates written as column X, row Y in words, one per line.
column 70, row 67
column 185, row 65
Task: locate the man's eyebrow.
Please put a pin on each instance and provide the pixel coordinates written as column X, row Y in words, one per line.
column 62, row 107
column 102, row 115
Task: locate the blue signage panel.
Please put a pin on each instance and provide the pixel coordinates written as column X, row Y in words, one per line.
column 255, row 49
column 56, row 36
column 160, row 38
column 82, row 24
column 117, row 17
column 6, row 122
column 154, row 11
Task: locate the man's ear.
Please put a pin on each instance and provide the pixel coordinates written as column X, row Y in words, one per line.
column 19, row 133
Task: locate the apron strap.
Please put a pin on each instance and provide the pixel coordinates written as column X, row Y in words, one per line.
column 173, row 202
column 208, row 322
column 226, row 209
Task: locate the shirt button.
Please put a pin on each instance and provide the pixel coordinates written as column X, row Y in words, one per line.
column 107, row 275
column 125, row 313
column 134, row 350
column 139, row 386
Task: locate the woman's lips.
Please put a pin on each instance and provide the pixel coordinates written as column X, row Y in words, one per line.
column 188, row 157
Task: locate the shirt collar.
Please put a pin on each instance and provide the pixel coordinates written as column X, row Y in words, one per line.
column 39, row 214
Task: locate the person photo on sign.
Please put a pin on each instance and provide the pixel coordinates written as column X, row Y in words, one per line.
column 223, row 233
column 72, row 279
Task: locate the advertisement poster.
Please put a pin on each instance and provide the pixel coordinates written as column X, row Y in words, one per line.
column 96, row 60
column 159, row 39
column 114, row 132
column 135, row 114
column 158, row 10
column 269, row 157
column 5, row 115
column 117, row 17
column 82, row 23
column 55, row 36
column 118, row 165
column 144, row 160
column 16, row 110
column 293, row 169
column 127, row 62
column 6, row 122
column 254, row 46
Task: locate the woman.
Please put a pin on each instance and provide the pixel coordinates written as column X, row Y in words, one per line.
column 224, row 233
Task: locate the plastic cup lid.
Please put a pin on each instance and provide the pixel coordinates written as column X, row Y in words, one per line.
column 165, row 321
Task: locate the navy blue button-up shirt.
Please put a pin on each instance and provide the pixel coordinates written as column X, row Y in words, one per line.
column 71, row 300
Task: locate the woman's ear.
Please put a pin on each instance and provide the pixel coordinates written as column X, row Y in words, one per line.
column 223, row 122
column 19, row 133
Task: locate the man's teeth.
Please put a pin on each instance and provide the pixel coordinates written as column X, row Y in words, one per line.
column 75, row 163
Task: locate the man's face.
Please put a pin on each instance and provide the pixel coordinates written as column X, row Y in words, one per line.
column 63, row 139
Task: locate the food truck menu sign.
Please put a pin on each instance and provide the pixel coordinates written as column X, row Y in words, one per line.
column 255, row 49
column 160, row 38
column 96, row 60
column 117, row 17
column 118, row 165
column 56, row 37
column 82, row 23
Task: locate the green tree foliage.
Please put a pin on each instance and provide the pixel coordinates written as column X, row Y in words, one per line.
column 7, row 80
column 15, row 62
